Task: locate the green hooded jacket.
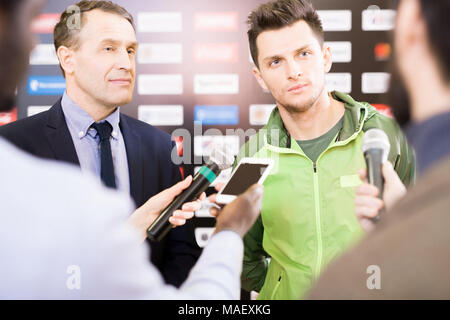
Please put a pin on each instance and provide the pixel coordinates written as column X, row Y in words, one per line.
column 308, row 216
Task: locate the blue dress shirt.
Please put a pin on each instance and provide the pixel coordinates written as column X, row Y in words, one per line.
column 87, row 142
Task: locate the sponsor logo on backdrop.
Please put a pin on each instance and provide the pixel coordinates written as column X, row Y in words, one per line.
column 378, row 20
column 384, row 109
column 203, row 144
column 217, row 115
column 260, row 113
column 216, row 21
column 202, row 236
column 44, row 54
column 164, row 84
column 8, row 117
column 45, row 23
column 375, row 82
column 216, row 52
column 216, row 84
column 161, row 115
column 46, row 85
column 382, row 51
column 158, row 53
column 341, row 51
column 159, row 22
column 336, row 20
column 32, row 110
column 339, row 82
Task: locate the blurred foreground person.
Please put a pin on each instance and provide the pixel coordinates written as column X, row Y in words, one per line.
column 407, row 255
column 63, row 235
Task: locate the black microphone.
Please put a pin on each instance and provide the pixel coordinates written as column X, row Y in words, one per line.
column 219, row 160
column 376, row 148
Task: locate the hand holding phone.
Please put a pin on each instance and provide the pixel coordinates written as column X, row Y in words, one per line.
column 248, row 172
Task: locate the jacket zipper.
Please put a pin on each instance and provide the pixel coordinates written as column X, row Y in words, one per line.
column 318, row 222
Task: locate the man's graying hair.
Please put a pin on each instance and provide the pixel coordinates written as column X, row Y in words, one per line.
column 66, row 31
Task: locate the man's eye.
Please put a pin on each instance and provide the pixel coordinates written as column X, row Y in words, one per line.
column 131, row 51
column 108, row 48
column 274, row 62
column 304, row 54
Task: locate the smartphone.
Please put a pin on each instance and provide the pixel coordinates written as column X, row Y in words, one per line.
column 248, row 172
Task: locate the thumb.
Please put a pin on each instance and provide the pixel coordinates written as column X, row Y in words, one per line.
column 170, row 193
column 254, row 192
column 390, row 176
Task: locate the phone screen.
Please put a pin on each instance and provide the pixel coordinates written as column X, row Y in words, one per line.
column 244, row 176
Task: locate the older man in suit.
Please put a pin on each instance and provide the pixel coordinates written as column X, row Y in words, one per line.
column 85, row 127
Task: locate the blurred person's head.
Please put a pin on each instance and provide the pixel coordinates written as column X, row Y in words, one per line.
column 16, row 43
column 420, row 87
column 286, row 42
column 96, row 45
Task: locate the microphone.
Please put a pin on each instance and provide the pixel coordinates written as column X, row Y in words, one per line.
column 376, row 148
column 219, row 159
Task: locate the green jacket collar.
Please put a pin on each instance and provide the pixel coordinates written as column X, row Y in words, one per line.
column 356, row 113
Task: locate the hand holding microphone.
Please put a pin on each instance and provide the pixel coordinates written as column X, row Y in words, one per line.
column 382, row 187
column 219, row 160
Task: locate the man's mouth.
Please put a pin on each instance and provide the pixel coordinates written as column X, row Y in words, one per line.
column 121, row 81
column 297, row 88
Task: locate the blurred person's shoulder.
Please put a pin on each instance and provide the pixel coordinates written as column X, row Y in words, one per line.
column 56, row 223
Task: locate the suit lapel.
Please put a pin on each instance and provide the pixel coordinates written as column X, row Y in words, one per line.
column 59, row 137
column 133, row 147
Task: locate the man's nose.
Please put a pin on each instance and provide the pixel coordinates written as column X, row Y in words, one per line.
column 124, row 60
column 294, row 71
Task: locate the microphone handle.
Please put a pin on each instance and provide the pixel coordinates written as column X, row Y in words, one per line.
column 201, row 181
column 374, row 161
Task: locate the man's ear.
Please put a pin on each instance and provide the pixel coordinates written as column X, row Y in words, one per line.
column 410, row 25
column 260, row 80
column 66, row 59
column 327, row 58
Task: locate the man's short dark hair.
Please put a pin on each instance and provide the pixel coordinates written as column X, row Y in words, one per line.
column 64, row 35
column 435, row 13
column 279, row 14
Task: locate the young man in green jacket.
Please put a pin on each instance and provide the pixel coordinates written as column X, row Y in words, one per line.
column 315, row 139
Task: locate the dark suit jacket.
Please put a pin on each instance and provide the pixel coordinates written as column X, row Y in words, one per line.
column 151, row 170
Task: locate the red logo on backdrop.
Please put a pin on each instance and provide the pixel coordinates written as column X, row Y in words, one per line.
column 179, row 144
column 8, row 117
column 382, row 51
column 216, row 52
column 216, row 21
column 384, row 109
column 45, row 23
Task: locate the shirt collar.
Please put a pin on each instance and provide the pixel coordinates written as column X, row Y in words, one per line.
column 81, row 121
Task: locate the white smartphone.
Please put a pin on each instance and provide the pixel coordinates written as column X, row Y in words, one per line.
column 248, row 172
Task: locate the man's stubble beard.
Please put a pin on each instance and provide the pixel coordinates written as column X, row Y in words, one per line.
column 301, row 108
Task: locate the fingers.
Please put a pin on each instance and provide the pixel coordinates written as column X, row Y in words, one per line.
column 363, row 174
column 212, row 198
column 192, row 206
column 179, row 217
column 366, row 212
column 369, row 201
column 219, row 186
column 367, row 225
column 366, row 189
column 214, row 212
